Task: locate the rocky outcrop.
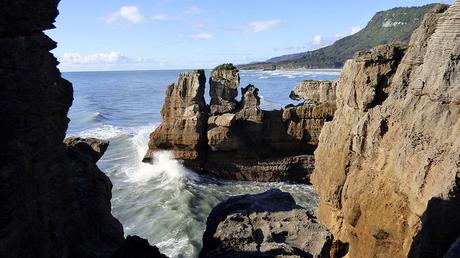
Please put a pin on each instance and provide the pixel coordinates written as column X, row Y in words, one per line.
column 224, row 82
column 184, row 119
column 54, row 201
column 388, row 165
column 238, row 140
column 251, row 226
column 314, row 92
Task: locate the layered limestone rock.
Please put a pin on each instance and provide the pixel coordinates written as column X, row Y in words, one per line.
column 388, row 165
column 238, row 143
column 306, row 121
column 251, row 226
column 183, row 129
column 314, row 92
column 54, row 200
column 224, row 83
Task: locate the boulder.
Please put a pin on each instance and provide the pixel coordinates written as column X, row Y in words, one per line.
column 387, row 166
column 252, row 226
column 183, row 129
column 224, row 83
column 90, row 149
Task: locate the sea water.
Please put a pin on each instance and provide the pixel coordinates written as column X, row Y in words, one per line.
column 164, row 202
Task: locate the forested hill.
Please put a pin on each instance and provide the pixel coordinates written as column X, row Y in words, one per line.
column 391, row 26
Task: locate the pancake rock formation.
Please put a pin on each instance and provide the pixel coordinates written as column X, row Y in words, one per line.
column 237, row 139
column 184, row 119
column 252, row 226
column 388, row 164
column 54, row 200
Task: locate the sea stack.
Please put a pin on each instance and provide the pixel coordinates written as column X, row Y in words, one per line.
column 238, row 140
column 388, row 165
column 224, row 83
column 183, row 129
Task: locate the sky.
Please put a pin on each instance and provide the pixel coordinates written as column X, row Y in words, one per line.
column 102, row 35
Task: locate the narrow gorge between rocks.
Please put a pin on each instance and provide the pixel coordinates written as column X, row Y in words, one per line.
column 359, row 162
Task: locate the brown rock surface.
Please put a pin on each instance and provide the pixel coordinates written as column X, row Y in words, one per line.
column 224, row 83
column 54, row 200
column 184, row 119
column 388, row 165
column 251, row 226
column 242, row 143
column 314, row 92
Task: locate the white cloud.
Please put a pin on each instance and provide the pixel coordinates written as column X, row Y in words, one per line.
column 202, row 36
column 317, row 40
column 100, row 61
column 159, row 17
column 261, row 26
column 193, row 10
column 131, row 14
column 355, row 29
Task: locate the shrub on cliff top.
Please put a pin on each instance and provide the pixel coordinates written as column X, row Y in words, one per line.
column 224, row 67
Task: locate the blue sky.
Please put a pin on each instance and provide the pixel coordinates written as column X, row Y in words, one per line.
column 172, row 34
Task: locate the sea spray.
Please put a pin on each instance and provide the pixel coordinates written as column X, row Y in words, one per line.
column 162, row 202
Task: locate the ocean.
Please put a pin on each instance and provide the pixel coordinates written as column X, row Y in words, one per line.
column 164, row 202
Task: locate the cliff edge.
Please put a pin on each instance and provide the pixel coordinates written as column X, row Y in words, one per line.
column 388, row 165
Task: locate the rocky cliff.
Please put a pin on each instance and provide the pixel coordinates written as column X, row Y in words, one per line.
column 54, row 201
column 388, row 165
column 184, row 120
column 237, row 139
column 251, row 226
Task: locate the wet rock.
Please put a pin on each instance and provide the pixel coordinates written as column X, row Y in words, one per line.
column 387, row 166
column 136, row 247
column 90, row 149
column 251, row 226
column 183, row 129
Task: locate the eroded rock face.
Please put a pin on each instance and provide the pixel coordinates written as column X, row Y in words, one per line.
column 314, row 92
column 183, row 129
column 54, row 200
column 224, row 83
column 252, row 226
column 243, row 142
column 387, row 166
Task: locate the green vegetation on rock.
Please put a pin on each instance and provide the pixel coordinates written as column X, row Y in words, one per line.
column 224, row 67
column 392, row 26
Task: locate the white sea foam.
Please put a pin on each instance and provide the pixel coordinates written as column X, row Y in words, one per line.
column 104, row 132
column 164, row 166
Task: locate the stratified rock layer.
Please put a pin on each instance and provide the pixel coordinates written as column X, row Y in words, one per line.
column 54, row 200
column 314, row 92
column 224, row 83
column 269, row 224
column 388, row 165
column 238, row 140
column 184, row 119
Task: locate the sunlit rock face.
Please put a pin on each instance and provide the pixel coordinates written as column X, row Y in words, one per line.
column 251, row 226
column 183, row 129
column 387, row 166
column 237, row 139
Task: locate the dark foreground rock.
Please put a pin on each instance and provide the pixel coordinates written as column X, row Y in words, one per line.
column 238, row 140
column 270, row 224
column 54, row 200
column 388, row 165
column 137, row 247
